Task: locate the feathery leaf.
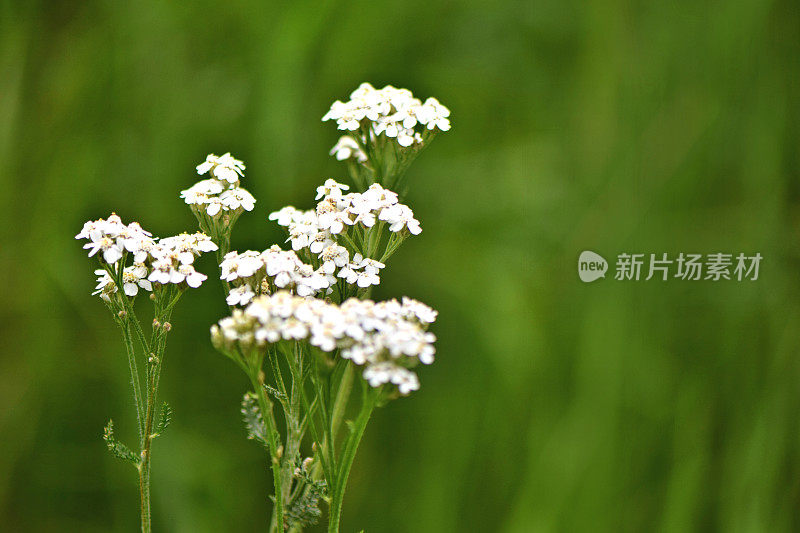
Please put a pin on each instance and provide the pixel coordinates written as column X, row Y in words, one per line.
column 253, row 420
column 116, row 447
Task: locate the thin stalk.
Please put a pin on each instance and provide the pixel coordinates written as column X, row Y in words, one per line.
column 257, row 380
column 144, row 466
column 342, row 396
column 294, row 429
column 161, row 350
column 310, row 409
column 373, row 240
column 328, row 445
column 137, row 391
column 368, row 402
column 155, row 359
column 127, row 305
column 392, row 246
column 144, row 499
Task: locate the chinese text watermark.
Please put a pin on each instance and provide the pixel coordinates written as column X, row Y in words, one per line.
column 662, row 266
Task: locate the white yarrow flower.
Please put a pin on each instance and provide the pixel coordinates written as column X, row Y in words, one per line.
column 386, row 338
column 222, row 192
column 223, row 167
column 135, row 277
column 392, row 112
column 331, row 188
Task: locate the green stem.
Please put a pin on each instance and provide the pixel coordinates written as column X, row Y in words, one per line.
column 342, row 396
column 395, row 240
column 137, row 391
column 257, row 380
column 294, row 429
column 328, row 444
column 369, row 400
column 144, row 466
column 310, row 409
column 373, row 240
column 144, row 497
column 153, row 372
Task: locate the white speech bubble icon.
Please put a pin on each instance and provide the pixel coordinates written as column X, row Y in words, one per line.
column 591, row 266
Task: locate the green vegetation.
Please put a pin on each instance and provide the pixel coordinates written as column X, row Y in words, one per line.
column 553, row 405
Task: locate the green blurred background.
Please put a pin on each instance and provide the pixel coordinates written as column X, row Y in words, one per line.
column 553, row 405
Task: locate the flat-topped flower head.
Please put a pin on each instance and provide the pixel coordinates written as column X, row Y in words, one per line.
column 110, row 239
column 162, row 261
column 339, row 218
column 183, row 248
column 386, row 338
column 221, row 193
column 336, row 211
column 390, row 111
column 172, row 259
column 251, row 273
column 223, row 167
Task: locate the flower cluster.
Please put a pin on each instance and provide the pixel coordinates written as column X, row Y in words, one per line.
column 164, row 261
column 392, row 112
column 223, row 167
column 111, row 238
column 221, row 192
column 387, row 338
column 317, row 229
column 252, row 273
column 172, row 259
column 335, row 213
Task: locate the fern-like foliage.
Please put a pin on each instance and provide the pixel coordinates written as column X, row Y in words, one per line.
column 164, row 419
column 304, row 511
column 253, row 421
column 116, row 447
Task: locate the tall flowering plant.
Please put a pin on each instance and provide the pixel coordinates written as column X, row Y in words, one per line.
column 130, row 262
column 319, row 354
